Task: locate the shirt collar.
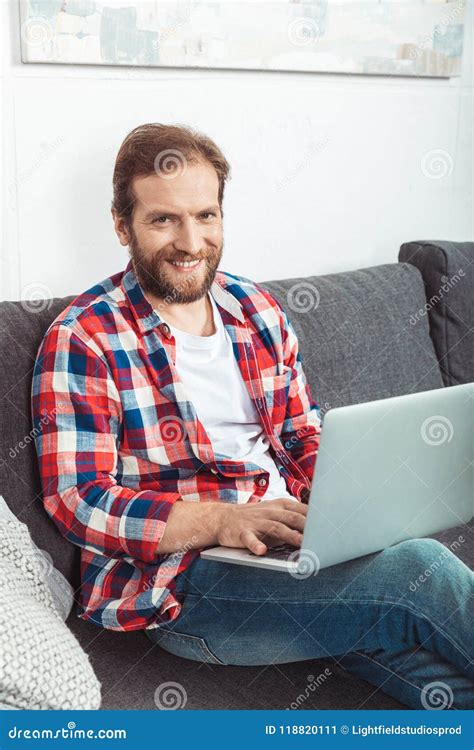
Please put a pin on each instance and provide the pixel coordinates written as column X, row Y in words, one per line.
column 148, row 318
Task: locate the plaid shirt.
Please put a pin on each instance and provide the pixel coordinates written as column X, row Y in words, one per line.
column 121, row 443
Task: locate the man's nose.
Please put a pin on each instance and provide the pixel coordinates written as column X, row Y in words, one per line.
column 188, row 238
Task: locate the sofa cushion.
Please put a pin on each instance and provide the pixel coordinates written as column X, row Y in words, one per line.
column 136, row 673
column 448, row 274
column 356, row 340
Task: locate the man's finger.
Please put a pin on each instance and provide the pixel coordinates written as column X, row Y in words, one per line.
column 252, row 542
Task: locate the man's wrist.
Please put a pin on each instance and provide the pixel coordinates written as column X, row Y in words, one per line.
column 220, row 519
column 193, row 526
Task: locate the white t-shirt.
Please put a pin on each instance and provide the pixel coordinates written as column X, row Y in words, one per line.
column 211, row 377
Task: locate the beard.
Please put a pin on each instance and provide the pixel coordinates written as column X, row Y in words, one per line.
column 156, row 277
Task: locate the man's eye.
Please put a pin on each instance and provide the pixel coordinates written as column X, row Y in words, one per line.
column 163, row 219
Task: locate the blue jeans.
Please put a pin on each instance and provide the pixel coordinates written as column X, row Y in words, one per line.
column 401, row 619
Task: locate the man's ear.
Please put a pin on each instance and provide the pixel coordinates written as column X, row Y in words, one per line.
column 121, row 228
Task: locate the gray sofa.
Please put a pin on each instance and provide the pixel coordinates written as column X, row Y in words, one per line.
column 364, row 335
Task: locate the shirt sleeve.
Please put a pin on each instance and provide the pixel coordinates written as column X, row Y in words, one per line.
column 77, row 414
column 302, row 426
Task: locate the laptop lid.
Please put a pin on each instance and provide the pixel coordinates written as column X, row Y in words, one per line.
column 390, row 470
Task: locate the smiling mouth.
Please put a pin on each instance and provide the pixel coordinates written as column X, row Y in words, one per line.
column 185, row 264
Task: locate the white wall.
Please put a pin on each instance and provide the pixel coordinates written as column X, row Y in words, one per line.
column 328, row 170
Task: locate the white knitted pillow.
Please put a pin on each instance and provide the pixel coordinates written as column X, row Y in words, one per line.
column 61, row 590
column 42, row 664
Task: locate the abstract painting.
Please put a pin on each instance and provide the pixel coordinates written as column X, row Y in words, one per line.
column 384, row 37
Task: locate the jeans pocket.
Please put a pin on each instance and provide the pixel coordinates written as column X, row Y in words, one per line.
column 182, row 644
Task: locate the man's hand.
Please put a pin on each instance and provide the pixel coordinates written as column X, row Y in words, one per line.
column 261, row 525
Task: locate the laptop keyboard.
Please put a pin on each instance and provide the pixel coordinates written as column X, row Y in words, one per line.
column 281, row 552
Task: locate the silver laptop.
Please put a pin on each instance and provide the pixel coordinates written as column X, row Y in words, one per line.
column 388, row 470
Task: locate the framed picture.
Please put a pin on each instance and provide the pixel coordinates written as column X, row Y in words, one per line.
column 385, row 37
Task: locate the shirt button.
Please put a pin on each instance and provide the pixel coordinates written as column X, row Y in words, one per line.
column 262, row 482
column 165, row 329
column 214, row 471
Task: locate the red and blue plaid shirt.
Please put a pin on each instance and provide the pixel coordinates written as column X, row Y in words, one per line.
column 122, row 442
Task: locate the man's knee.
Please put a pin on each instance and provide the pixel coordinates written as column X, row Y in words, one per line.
column 426, row 557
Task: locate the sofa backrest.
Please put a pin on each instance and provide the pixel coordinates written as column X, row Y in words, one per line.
column 448, row 275
column 22, row 327
column 356, row 340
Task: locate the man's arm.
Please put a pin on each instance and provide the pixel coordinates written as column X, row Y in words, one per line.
column 76, row 412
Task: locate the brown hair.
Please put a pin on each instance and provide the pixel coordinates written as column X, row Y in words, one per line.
column 154, row 147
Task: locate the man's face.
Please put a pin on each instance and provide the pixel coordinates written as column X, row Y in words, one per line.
column 176, row 218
